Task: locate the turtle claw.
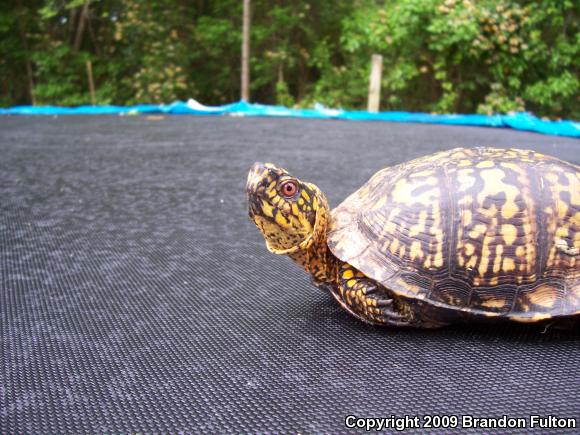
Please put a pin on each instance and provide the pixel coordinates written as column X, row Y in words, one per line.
column 392, row 318
column 370, row 289
column 390, row 314
column 393, row 315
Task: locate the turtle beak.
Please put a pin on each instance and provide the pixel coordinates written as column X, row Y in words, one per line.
column 253, row 183
column 252, row 209
column 255, row 175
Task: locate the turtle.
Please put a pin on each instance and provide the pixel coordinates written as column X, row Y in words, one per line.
column 464, row 235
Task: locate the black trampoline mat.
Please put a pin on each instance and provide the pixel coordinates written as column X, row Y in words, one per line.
column 136, row 296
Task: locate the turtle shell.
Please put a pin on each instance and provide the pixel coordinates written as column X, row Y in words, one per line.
column 470, row 232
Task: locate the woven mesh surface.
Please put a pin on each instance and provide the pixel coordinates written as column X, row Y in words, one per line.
column 136, row 296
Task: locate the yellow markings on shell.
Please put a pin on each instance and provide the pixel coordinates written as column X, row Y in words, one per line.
column 427, row 173
column 477, row 231
column 494, row 303
column 527, row 228
column 438, row 259
column 561, row 208
column 563, row 220
column 576, row 219
column 267, row 209
column 469, row 249
column 493, row 185
column 465, row 179
column 419, row 227
column 458, row 154
column 413, row 288
column 379, row 204
column 561, row 232
column 544, row 296
column 416, row 251
column 497, row 260
column 390, row 226
column 513, row 166
column 402, row 251
column 531, row 319
column 466, row 200
column 363, row 191
column 351, row 282
column 471, row 263
column 394, row 246
column 438, row 233
column 488, row 212
column 530, row 256
column 403, row 191
column 485, row 164
column 509, row 233
column 508, row 265
column 466, row 218
column 485, row 251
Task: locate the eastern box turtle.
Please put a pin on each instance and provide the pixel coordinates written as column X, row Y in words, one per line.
column 478, row 234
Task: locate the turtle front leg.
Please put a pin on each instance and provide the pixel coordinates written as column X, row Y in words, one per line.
column 369, row 301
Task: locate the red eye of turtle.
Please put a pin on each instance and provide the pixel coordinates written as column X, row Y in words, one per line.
column 289, row 188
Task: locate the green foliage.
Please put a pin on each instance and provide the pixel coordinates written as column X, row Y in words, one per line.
column 481, row 56
column 283, row 96
column 61, row 76
column 463, row 56
column 147, row 37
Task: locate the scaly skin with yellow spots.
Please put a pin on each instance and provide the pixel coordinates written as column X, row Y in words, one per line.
column 477, row 234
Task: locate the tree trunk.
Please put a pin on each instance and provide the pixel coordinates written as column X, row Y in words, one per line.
column 94, row 39
column 246, row 53
column 71, row 23
column 375, row 83
column 29, row 71
column 81, row 27
column 30, row 82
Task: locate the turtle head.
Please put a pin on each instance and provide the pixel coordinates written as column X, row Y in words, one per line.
column 290, row 213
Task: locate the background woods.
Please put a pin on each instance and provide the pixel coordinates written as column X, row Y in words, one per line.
column 439, row 56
